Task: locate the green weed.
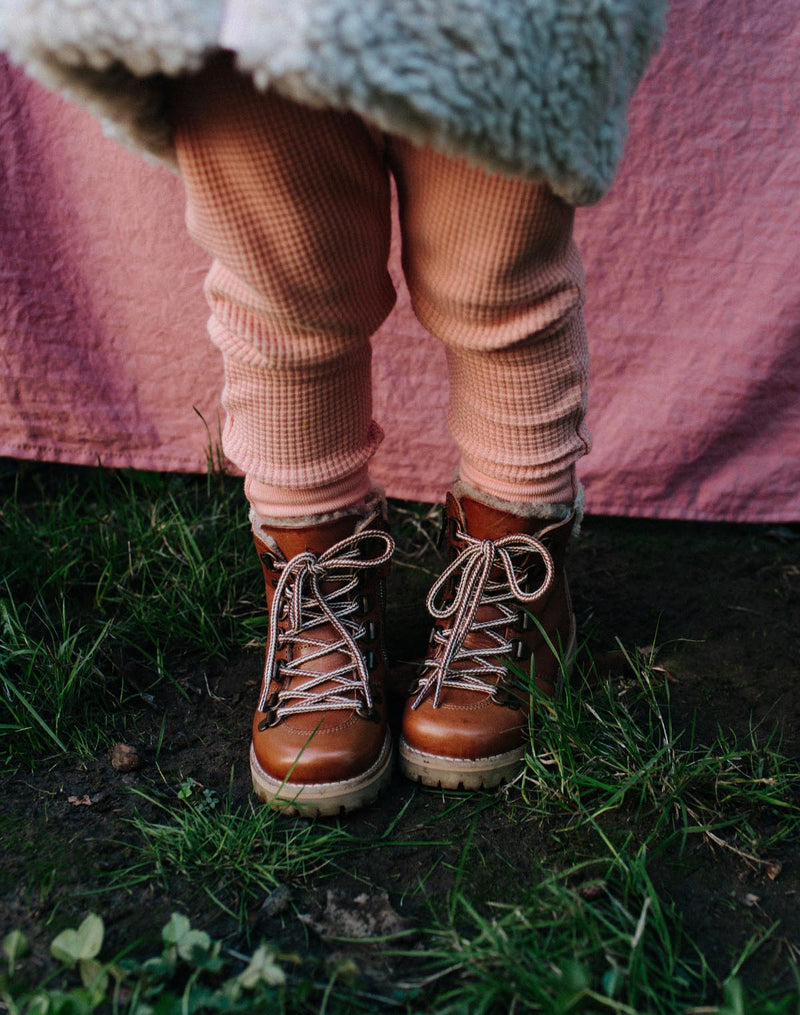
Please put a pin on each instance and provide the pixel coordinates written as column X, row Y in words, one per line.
column 595, row 751
column 235, row 851
column 191, row 974
column 102, row 568
column 558, row 949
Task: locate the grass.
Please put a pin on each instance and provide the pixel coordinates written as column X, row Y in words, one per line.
column 613, row 748
column 565, row 947
column 571, row 944
column 99, row 567
column 237, row 852
column 48, row 664
column 112, row 581
column 616, row 786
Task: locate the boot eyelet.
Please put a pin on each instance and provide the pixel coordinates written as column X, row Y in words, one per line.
column 371, row 631
column 270, row 719
column 432, row 637
column 519, row 650
column 367, row 604
column 272, row 701
column 506, row 700
column 370, row 714
column 370, row 660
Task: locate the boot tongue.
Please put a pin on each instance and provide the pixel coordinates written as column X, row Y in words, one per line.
column 482, row 521
column 315, row 538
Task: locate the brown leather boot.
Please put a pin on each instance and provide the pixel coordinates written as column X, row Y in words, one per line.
column 466, row 722
column 320, row 740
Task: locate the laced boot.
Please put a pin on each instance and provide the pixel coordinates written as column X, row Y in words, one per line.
column 500, row 608
column 320, row 740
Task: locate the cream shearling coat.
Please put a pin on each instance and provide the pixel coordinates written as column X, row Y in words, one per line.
column 533, row 88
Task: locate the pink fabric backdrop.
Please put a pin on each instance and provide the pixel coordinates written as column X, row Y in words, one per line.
column 694, row 300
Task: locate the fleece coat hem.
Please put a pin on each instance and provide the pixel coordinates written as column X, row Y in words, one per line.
column 537, row 89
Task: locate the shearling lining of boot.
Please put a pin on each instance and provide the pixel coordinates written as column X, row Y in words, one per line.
column 374, row 503
column 525, row 509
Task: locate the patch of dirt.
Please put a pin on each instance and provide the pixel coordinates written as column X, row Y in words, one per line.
column 723, row 604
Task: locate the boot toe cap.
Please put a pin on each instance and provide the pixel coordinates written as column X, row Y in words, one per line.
column 468, row 727
column 320, row 752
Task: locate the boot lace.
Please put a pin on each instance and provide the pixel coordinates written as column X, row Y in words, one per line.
column 304, row 603
column 476, row 667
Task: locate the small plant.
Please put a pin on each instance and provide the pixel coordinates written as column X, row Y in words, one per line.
column 243, row 849
column 594, row 752
column 15, row 946
column 99, row 566
column 80, row 948
column 192, row 974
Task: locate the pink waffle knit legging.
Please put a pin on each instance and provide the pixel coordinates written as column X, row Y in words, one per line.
column 294, row 205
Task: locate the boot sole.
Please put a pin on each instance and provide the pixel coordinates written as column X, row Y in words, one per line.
column 459, row 773
column 442, row 772
column 323, row 799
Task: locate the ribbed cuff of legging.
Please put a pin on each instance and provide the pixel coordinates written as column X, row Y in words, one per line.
column 280, row 502
column 560, row 488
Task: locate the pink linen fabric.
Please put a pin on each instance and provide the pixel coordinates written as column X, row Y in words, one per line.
column 692, row 309
column 294, row 204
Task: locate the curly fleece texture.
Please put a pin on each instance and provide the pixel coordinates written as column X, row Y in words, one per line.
column 532, row 88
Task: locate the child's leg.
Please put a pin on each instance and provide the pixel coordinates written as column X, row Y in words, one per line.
column 294, row 205
column 493, row 272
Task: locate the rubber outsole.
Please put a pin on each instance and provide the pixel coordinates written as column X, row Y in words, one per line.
column 459, row 773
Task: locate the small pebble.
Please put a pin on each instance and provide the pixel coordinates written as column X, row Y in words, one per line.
column 125, row 758
column 277, row 902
